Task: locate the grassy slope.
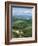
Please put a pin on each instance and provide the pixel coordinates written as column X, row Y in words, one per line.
column 22, row 28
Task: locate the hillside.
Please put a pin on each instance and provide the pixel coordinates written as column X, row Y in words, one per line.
column 21, row 26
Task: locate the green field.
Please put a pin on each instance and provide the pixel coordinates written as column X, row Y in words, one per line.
column 21, row 28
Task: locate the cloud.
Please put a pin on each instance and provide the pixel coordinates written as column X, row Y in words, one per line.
column 21, row 11
column 27, row 11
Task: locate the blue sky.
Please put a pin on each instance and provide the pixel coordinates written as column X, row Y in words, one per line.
column 21, row 11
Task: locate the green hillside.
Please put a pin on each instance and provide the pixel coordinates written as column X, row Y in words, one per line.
column 21, row 28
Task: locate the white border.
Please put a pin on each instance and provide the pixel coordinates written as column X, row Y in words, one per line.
column 33, row 26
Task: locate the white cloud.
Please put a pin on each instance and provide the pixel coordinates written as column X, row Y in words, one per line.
column 28, row 11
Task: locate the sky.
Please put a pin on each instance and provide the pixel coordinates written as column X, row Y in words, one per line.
column 21, row 11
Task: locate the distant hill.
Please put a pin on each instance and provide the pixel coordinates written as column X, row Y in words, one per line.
column 22, row 17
